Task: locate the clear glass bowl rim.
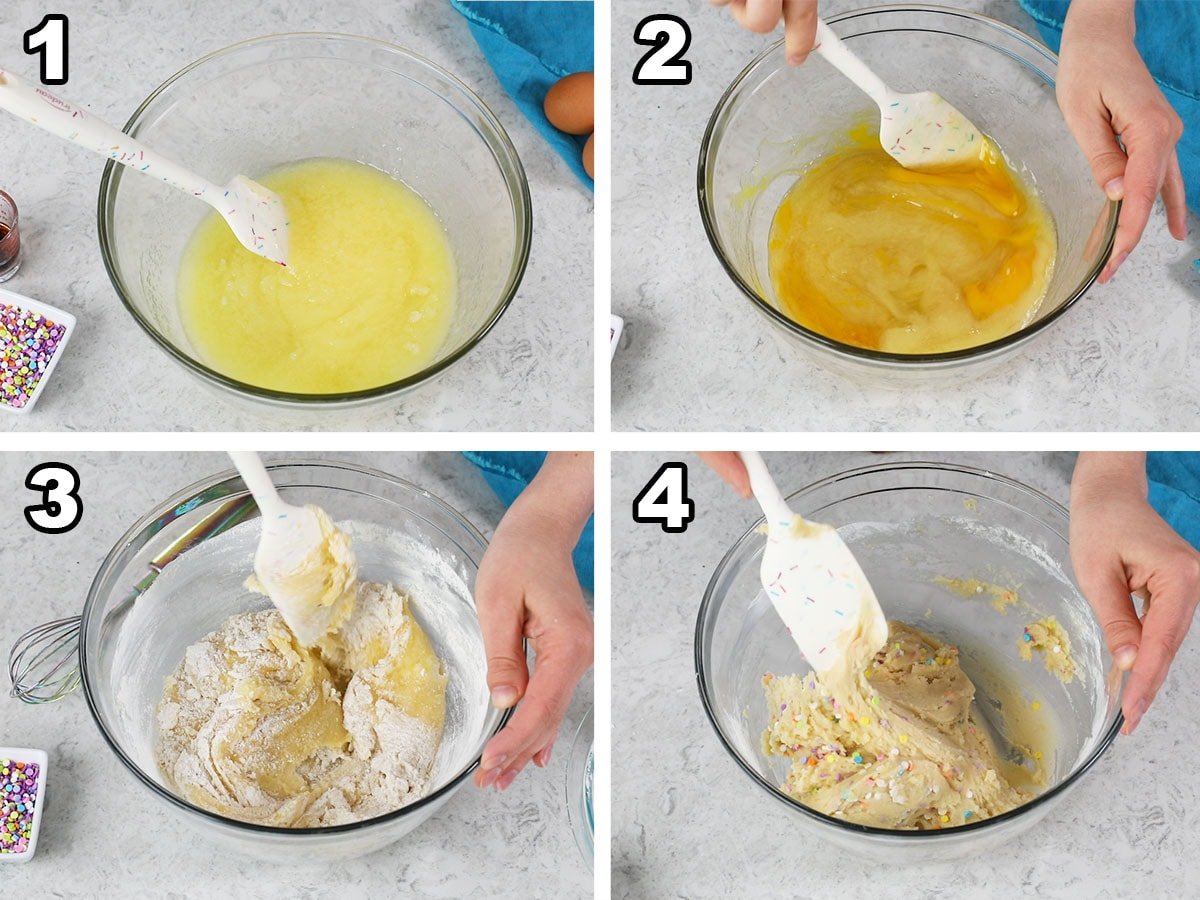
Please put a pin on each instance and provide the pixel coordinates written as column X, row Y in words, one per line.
column 708, row 217
column 1104, row 743
column 174, row 501
column 518, row 186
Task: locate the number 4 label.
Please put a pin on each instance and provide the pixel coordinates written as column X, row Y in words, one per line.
column 670, row 37
column 48, row 39
column 664, row 500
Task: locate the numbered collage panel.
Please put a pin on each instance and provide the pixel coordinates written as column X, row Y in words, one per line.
column 902, row 675
column 302, row 667
column 232, row 216
column 928, row 201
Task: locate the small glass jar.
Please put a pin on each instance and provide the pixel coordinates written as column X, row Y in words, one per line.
column 10, row 238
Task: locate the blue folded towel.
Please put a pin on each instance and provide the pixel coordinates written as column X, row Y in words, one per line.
column 510, row 473
column 1175, row 491
column 1168, row 37
column 530, row 46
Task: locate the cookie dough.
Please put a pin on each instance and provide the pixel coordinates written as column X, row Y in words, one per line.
column 314, row 593
column 875, row 255
column 1051, row 640
column 896, row 745
column 256, row 727
column 1002, row 598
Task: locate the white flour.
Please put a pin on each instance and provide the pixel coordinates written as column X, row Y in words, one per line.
column 246, row 695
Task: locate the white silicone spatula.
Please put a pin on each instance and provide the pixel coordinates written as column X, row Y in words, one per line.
column 291, row 539
column 255, row 215
column 919, row 131
column 813, row 580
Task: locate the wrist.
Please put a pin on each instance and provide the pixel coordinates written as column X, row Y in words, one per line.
column 1100, row 19
column 1110, row 476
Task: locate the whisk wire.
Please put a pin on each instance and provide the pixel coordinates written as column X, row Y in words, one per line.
column 43, row 666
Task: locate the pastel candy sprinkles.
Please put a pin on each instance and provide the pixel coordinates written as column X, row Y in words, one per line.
column 31, row 337
column 18, row 798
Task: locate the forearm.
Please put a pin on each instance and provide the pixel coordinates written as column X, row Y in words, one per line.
column 561, row 496
column 1109, row 474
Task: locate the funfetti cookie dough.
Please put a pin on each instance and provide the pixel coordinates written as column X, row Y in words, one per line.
column 1051, row 640
column 898, row 745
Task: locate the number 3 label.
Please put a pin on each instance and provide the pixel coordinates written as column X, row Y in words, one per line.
column 61, row 508
column 664, row 500
column 670, row 37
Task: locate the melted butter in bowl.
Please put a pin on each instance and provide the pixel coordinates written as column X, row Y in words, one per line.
column 872, row 254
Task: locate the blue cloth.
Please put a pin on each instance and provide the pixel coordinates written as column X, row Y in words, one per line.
column 530, row 46
column 1175, row 491
column 508, row 474
column 1168, row 37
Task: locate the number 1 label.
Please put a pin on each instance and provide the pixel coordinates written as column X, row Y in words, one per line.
column 48, row 39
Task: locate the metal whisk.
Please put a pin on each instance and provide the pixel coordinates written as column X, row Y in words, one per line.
column 43, row 664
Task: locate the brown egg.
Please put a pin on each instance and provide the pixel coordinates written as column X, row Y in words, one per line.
column 589, row 157
column 571, row 104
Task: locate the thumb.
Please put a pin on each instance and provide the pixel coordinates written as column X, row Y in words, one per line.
column 1104, row 154
column 502, row 621
column 1108, row 593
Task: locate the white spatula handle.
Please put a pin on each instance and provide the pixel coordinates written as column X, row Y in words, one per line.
column 830, row 46
column 39, row 107
column 254, row 473
column 766, row 492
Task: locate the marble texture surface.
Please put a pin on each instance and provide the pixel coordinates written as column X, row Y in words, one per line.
column 533, row 372
column 696, row 357
column 104, row 835
column 688, row 823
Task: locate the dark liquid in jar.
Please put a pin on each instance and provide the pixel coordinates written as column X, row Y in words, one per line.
column 10, row 245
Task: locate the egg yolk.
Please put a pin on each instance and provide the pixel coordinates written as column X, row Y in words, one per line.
column 869, row 253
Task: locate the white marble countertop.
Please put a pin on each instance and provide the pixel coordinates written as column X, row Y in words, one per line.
column 688, row 823
column 533, row 372
column 696, row 357
column 104, row 835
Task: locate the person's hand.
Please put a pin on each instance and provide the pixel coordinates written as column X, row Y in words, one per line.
column 1121, row 546
column 1105, row 90
column 799, row 19
column 526, row 588
column 730, row 467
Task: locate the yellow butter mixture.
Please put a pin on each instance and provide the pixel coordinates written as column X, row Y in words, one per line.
column 875, row 255
column 366, row 299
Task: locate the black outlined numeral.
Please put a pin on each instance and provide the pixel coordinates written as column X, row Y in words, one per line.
column 61, row 507
column 664, row 500
column 48, row 39
column 670, row 37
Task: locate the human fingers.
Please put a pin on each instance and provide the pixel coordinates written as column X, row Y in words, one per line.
column 799, row 28
column 1175, row 199
column 729, row 466
column 1164, row 626
column 1107, row 590
column 1149, row 146
column 759, row 16
column 534, row 725
column 500, row 603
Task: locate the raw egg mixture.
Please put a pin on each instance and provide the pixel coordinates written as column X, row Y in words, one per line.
column 875, row 255
column 366, row 299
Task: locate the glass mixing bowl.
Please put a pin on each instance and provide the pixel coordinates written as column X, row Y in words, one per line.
column 907, row 524
column 580, row 811
column 775, row 119
column 275, row 100
column 136, row 627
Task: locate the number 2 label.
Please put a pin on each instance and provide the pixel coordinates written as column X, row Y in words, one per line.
column 48, row 39
column 664, row 500
column 670, row 37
